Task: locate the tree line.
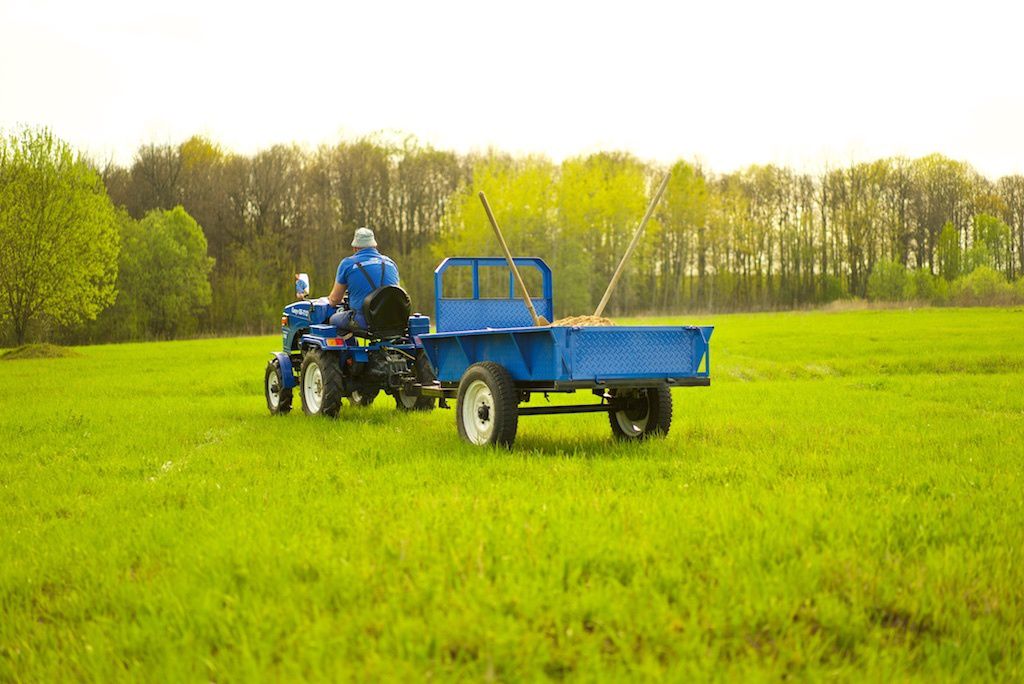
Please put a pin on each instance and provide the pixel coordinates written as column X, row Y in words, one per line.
column 195, row 239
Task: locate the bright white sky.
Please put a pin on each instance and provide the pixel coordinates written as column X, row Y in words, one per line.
column 726, row 83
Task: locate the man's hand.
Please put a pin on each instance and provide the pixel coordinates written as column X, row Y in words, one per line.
column 337, row 294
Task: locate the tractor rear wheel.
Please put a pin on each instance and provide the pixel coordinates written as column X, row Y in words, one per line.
column 424, row 376
column 320, row 384
column 644, row 413
column 362, row 399
column 279, row 399
column 488, row 406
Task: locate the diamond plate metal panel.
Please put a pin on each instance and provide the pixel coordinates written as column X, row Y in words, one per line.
column 606, row 353
column 478, row 314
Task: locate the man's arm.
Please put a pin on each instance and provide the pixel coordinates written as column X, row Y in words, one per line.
column 337, row 294
column 340, row 284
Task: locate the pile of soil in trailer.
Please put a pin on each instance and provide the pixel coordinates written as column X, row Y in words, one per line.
column 583, row 321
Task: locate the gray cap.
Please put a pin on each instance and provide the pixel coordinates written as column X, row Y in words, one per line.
column 364, row 238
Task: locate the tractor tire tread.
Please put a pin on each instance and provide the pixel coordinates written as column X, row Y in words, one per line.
column 333, row 378
column 659, row 418
column 284, row 402
column 506, row 400
column 365, row 399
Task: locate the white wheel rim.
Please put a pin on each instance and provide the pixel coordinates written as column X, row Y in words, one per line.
column 634, row 427
column 313, row 387
column 478, row 412
column 274, row 389
column 356, row 397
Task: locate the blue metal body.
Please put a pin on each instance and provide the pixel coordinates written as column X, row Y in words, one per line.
column 578, row 356
column 288, row 379
column 557, row 357
column 477, row 313
column 474, row 329
column 305, row 324
column 300, row 317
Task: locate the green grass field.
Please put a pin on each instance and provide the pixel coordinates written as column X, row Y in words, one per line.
column 844, row 502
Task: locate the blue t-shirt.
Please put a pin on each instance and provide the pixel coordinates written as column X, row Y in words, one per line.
column 358, row 284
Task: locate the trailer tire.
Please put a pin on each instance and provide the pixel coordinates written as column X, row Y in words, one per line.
column 362, row 399
column 321, row 384
column 279, row 398
column 424, row 375
column 650, row 414
column 488, row 406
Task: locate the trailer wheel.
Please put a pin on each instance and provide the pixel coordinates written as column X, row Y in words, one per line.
column 644, row 413
column 488, row 409
column 279, row 398
column 362, row 399
column 425, row 376
column 320, row 384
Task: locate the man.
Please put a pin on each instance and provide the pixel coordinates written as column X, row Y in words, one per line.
column 301, row 285
column 359, row 275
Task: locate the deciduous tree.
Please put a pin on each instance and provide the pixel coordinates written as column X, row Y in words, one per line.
column 58, row 242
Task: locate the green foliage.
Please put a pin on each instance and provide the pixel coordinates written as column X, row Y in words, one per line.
column 888, row 282
column 601, row 199
column 679, row 231
column 164, row 276
column 762, row 237
column 579, row 217
column 831, row 288
column 976, row 257
column 58, row 242
column 983, row 286
column 993, row 236
column 922, row 286
column 949, row 252
column 842, row 504
column 261, row 276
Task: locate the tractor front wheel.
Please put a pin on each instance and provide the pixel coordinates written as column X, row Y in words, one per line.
column 279, row 398
column 641, row 413
column 488, row 406
column 321, row 384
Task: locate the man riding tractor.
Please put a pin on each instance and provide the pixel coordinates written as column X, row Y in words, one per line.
column 359, row 275
column 358, row 341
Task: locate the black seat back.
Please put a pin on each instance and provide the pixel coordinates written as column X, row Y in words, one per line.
column 386, row 311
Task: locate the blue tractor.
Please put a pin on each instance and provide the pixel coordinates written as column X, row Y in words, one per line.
column 328, row 366
column 488, row 357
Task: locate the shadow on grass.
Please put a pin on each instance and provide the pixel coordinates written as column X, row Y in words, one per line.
column 386, row 416
column 596, row 445
column 586, row 442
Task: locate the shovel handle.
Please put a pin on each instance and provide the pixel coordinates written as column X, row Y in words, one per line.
column 632, row 245
column 537, row 320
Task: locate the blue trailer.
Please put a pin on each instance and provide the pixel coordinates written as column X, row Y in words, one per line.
column 487, row 355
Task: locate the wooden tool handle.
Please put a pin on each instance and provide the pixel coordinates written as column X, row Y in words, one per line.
column 537, row 320
column 632, row 245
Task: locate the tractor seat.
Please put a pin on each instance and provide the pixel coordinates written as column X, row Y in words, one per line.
column 386, row 311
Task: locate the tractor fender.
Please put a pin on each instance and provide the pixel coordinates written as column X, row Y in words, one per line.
column 287, row 372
